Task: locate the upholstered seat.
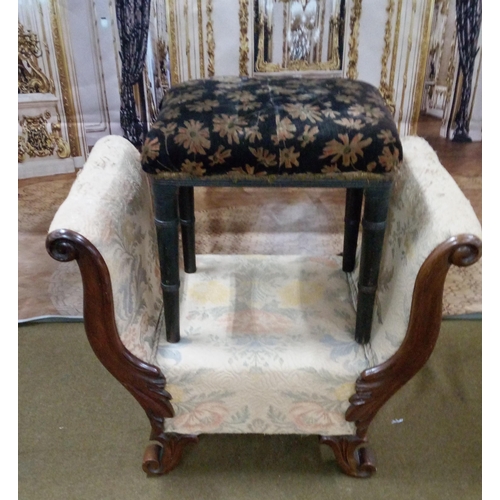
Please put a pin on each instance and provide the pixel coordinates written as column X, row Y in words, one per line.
column 266, row 344
column 279, row 131
column 271, row 127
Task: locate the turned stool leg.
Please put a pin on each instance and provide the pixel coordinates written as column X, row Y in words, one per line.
column 167, row 229
column 374, row 222
column 353, row 202
column 186, row 210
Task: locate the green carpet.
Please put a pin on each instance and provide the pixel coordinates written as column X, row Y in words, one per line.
column 81, row 435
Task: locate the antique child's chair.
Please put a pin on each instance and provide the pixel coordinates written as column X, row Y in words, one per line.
column 266, row 342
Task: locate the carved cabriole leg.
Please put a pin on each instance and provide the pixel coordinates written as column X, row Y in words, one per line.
column 144, row 381
column 160, row 458
column 353, row 455
column 374, row 222
column 167, row 229
column 353, row 203
column 186, row 210
column 376, row 385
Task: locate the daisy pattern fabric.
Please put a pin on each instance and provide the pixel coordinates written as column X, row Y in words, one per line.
column 272, row 126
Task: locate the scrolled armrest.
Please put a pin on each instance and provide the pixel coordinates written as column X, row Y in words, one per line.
column 109, row 207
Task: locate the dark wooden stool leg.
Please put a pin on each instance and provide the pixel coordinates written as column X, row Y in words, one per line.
column 167, row 229
column 374, row 222
column 353, row 202
column 186, row 209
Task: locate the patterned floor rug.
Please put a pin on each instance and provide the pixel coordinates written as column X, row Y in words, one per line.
column 228, row 221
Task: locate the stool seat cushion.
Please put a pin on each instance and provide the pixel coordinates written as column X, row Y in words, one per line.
column 272, row 126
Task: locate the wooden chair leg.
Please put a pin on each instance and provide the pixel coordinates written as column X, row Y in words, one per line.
column 186, row 210
column 374, row 222
column 167, row 229
column 353, row 202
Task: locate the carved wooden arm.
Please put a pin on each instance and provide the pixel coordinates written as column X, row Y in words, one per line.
column 375, row 386
column 144, row 381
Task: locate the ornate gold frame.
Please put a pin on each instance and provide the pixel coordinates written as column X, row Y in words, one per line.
column 262, row 66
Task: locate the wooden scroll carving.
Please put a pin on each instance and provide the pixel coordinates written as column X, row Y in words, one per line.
column 377, row 385
column 144, row 381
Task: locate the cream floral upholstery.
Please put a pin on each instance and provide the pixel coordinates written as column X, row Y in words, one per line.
column 266, row 345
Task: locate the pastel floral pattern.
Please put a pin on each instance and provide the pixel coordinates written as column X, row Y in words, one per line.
column 267, row 341
column 310, row 125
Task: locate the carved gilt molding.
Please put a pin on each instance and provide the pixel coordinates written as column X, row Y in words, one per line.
column 30, row 78
column 244, row 44
column 422, row 64
column 174, row 59
column 36, row 139
column 210, row 40
column 385, row 89
column 200, row 40
column 64, row 79
column 352, row 67
column 395, row 45
column 188, row 41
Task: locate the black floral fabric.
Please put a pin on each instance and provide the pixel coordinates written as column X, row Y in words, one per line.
column 271, row 126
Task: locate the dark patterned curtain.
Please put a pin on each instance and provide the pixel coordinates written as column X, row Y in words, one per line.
column 468, row 27
column 133, row 27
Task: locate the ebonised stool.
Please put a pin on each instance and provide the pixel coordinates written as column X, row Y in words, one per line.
column 279, row 132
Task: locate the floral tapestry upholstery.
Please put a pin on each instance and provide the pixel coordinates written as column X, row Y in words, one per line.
column 266, row 341
column 110, row 205
column 272, row 126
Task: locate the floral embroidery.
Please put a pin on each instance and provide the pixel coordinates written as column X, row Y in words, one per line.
column 193, row 168
column 389, row 159
column 264, row 156
column 253, row 134
column 272, row 126
column 169, row 129
column 206, row 105
column 150, row 149
column 304, row 112
column 347, row 150
column 308, row 135
column 350, row 123
column 172, row 113
column 289, row 158
column 219, row 157
column 193, row 137
column 284, row 129
column 387, row 136
column 230, row 126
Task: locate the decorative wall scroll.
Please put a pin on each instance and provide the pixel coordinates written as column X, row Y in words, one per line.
column 40, row 138
column 30, row 78
column 299, row 35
